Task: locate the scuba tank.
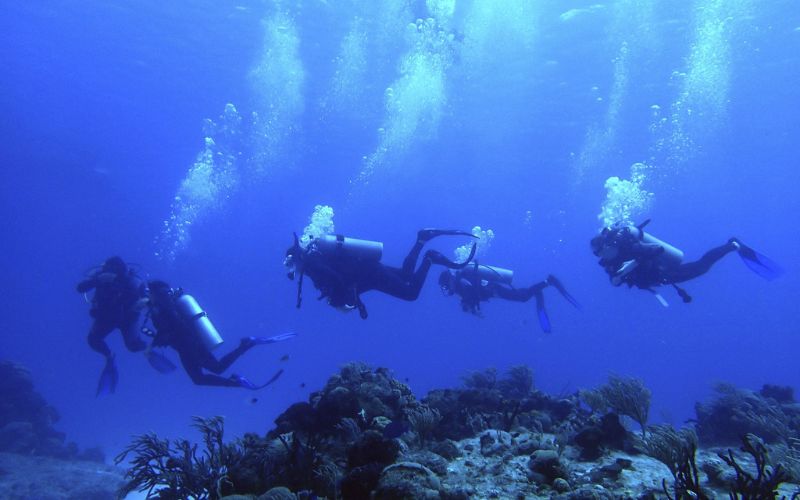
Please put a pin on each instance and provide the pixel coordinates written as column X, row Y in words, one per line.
column 202, row 326
column 349, row 247
column 671, row 256
column 489, row 273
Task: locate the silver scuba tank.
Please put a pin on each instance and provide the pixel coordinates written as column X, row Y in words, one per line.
column 202, row 326
column 671, row 256
column 491, row 274
column 350, row 247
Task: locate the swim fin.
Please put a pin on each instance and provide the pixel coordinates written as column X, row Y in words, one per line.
column 437, row 258
column 544, row 320
column 161, row 363
column 246, row 384
column 552, row 280
column 108, row 378
column 429, row 233
column 254, row 341
column 759, row 264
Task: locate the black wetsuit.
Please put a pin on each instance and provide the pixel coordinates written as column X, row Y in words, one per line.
column 114, row 306
column 651, row 271
column 473, row 291
column 172, row 330
column 342, row 279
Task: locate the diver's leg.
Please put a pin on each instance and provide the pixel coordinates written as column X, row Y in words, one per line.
column 218, row 366
column 691, row 270
column 424, row 236
column 395, row 282
column 194, row 369
column 130, row 334
column 97, row 334
column 519, row 294
column 410, row 262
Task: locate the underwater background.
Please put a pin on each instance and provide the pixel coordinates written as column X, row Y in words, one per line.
column 508, row 115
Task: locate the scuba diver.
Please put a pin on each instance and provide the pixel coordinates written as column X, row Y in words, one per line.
column 343, row 268
column 478, row 283
column 119, row 296
column 630, row 255
column 180, row 323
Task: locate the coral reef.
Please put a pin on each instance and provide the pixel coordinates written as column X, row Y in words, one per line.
column 26, row 420
column 365, row 435
column 770, row 414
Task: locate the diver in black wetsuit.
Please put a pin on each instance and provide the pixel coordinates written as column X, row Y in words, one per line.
column 193, row 336
column 478, row 283
column 118, row 299
column 630, row 255
column 343, row 268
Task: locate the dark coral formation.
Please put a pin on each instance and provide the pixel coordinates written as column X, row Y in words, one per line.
column 365, row 435
column 488, row 403
column 770, row 414
column 622, row 395
column 27, row 421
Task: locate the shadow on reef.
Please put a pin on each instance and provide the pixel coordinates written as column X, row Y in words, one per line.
column 365, row 435
column 26, row 420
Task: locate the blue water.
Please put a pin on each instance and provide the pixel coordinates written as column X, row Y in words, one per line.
column 510, row 118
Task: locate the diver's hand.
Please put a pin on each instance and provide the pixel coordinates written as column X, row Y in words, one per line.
column 626, row 268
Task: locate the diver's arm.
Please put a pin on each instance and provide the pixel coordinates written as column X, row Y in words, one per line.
column 86, row 285
column 323, row 274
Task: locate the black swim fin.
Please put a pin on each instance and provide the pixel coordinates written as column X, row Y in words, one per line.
column 108, row 378
column 246, row 384
column 541, row 312
column 430, row 233
column 759, row 264
column 438, row 258
column 552, row 280
column 254, row 341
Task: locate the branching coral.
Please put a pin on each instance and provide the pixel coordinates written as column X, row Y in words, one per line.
column 736, row 412
column 174, row 470
column 518, row 383
column 765, row 482
column 484, row 379
column 424, row 420
column 629, row 397
column 676, row 449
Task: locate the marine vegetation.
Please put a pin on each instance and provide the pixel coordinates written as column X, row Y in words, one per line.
column 764, row 483
column 622, row 395
column 167, row 470
column 365, row 435
column 770, row 414
column 676, row 449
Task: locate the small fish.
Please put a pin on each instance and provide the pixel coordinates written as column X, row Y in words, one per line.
column 253, row 401
column 285, row 357
column 302, row 385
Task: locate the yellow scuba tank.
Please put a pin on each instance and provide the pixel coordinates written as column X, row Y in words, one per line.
column 350, row 247
column 202, row 326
